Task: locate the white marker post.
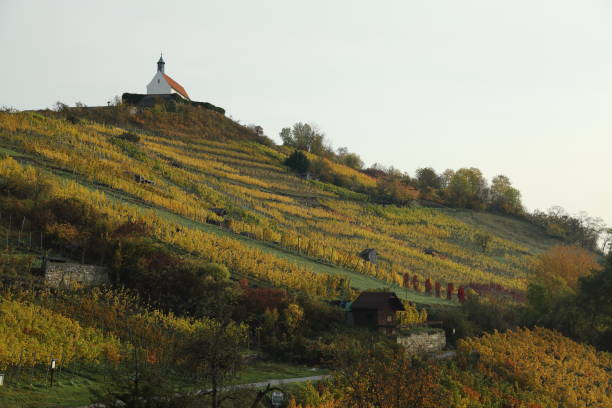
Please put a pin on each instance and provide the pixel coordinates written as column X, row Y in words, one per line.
column 277, row 399
column 53, row 364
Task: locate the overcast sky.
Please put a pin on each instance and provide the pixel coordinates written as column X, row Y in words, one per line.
column 521, row 88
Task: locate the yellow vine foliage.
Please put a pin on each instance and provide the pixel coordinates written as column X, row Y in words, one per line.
column 241, row 258
column 31, row 334
column 574, row 374
column 564, row 265
column 326, row 404
column 92, row 325
column 192, row 174
column 411, row 315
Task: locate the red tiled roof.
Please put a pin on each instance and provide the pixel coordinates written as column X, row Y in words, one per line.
column 176, row 86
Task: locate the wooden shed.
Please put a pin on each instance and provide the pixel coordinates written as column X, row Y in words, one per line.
column 369, row 255
column 377, row 310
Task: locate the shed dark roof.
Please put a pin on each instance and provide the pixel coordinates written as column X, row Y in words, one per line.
column 377, row 300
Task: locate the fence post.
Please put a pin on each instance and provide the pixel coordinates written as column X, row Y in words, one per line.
column 20, row 231
column 8, row 231
column 32, row 369
column 19, row 365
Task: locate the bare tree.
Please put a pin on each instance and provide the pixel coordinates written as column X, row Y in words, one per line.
column 606, row 240
column 213, row 352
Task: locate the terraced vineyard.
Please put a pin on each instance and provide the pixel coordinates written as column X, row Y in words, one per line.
column 279, row 228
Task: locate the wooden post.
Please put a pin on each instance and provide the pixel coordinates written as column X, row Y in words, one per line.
column 8, row 231
column 20, row 231
column 32, row 369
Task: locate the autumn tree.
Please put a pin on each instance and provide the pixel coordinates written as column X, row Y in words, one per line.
column 213, row 352
column 139, row 380
column 446, row 177
column 438, row 288
column 391, row 190
column 428, row 286
column 73, row 225
column 415, row 282
column 387, row 378
column 580, row 229
column 406, row 280
column 320, row 169
column 554, row 293
column 561, row 266
column 293, row 317
column 427, row 179
column 461, row 294
column 467, row 188
column 503, row 197
column 349, row 159
column 450, row 288
column 307, row 137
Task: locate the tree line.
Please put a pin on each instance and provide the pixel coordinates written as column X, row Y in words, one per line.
column 463, row 188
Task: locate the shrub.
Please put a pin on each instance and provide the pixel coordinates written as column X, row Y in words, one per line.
column 129, row 137
column 216, row 271
column 390, row 190
column 298, row 162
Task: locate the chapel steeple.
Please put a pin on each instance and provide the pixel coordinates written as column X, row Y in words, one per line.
column 160, row 64
column 162, row 84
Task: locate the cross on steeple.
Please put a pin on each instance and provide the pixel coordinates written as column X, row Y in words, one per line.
column 160, row 63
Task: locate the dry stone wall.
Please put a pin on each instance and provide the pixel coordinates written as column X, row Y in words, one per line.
column 422, row 343
column 67, row 274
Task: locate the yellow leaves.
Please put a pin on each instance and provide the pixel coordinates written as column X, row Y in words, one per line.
column 340, row 169
column 192, row 174
column 67, row 232
column 294, row 314
column 561, row 266
column 245, row 260
column 411, row 315
column 548, row 361
column 30, row 334
column 325, row 404
column 251, row 192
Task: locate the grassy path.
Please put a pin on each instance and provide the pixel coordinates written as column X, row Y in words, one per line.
column 358, row 281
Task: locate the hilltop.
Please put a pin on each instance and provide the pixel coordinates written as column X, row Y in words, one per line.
column 230, row 264
column 213, row 188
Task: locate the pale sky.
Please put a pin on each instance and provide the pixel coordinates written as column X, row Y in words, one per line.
column 521, row 88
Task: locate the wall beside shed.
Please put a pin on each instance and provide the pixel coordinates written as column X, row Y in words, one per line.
column 429, row 341
column 66, row 274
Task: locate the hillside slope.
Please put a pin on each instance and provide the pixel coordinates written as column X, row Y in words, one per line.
column 171, row 169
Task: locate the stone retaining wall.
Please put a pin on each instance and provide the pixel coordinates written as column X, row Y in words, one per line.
column 66, row 274
column 421, row 343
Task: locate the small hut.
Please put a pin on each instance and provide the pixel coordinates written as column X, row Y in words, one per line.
column 377, row 310
column 369, row 255
column 221, row 212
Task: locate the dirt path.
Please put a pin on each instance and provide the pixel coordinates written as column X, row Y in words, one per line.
column 260, row 384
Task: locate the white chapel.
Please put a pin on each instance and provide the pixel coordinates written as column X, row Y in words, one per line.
column 162, row 84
